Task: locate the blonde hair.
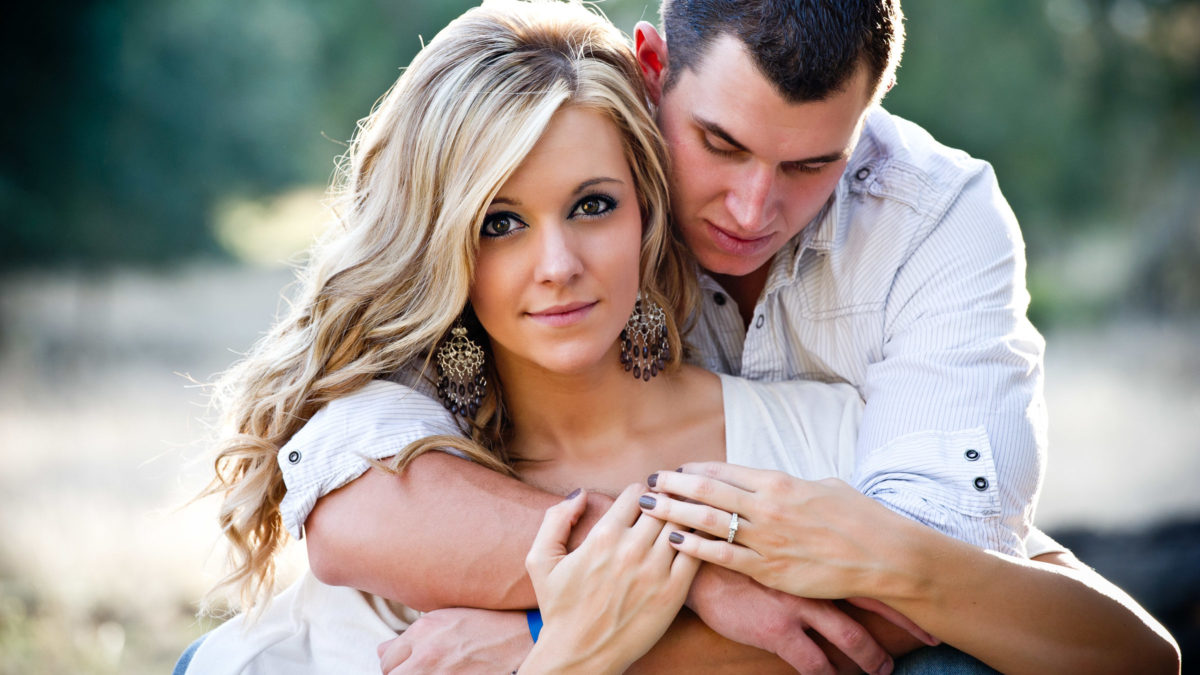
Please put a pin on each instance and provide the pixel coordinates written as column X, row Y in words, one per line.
column 390, row 278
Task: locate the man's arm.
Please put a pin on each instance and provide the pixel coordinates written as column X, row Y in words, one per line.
column 445, row 533
column 953, row 434
column 449, row 533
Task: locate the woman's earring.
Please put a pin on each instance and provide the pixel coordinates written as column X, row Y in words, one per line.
column 644, row 346
column 461, row 383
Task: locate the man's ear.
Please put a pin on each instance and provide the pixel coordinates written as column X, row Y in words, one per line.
column 651, row 51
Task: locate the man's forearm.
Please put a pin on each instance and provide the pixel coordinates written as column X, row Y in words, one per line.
column 1051, row 615
column 689, row 646
column 446, row 533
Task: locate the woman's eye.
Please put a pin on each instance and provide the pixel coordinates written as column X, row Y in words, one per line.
column 500, row 224
column 594, row 206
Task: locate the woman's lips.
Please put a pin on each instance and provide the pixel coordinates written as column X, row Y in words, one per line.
column 562, row 315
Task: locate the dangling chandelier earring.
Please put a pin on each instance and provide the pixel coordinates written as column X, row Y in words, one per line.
column 644, row 345
column 461, row 383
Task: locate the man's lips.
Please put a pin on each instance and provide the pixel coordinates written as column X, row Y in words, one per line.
column 736, row 245
column 562, row 315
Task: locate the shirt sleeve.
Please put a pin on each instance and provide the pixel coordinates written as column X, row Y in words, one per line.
column 335, row 446
column 1039, row 543
column 954, row 430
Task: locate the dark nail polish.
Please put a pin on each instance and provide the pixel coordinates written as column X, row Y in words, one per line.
column 574, row 494
column 646, row 502
column 679, row 470
column 652, row 480
column 675, row 538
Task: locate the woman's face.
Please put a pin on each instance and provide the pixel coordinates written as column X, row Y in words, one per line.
column 557, row 272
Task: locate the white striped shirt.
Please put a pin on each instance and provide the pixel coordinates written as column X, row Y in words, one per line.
column 910, row 285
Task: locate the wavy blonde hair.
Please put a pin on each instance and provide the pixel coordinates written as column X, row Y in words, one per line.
column 388, row 280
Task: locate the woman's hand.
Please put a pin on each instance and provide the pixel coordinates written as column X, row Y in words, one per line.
column 606, row 603
column 815, row 539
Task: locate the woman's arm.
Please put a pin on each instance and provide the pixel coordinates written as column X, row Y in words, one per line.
column 824, row 539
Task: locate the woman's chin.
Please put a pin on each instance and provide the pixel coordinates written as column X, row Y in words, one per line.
column 572, row 363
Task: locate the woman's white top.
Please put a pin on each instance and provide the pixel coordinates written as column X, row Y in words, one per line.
column 805, row 429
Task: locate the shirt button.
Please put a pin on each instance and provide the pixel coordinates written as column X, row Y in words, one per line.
column 294, row 457
column 981, row 484
column 759, row 321
column 863, row 173
column 971, row 455
column 719, row 298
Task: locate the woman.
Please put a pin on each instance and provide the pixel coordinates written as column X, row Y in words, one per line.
column 504, row 217
column 423, row 214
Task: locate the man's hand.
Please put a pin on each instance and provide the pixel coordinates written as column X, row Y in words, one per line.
column 744, row 610
column 459, row 641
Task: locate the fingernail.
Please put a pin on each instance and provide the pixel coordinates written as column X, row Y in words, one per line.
column 679, row 470
column 887, row 668
column 574, row 494
column 675, row 538
column 646, row 502
column 652, row 480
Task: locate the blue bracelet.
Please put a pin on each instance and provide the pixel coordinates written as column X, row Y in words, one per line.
column 534, row 617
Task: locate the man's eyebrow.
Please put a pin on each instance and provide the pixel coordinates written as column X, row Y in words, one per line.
column 580, row 188
column 823, row 159
column 716, row 130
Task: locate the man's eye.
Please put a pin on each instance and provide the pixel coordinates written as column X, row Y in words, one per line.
column 716, row 147
column 594, row 205
column 500, row 224
column 801, row 167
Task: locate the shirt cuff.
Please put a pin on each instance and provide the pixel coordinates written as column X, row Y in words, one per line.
column 945, row 480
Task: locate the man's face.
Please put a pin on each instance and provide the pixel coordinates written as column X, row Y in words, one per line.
column 748, row 169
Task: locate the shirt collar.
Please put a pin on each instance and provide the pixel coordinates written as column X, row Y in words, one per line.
column 827, row 231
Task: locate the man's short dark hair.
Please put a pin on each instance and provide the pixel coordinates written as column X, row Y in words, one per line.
column 808, row 49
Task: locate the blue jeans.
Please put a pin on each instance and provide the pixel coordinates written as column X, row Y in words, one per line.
column 940, row 660
column 186, row 658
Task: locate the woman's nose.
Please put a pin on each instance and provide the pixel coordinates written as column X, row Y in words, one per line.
column 558, row 259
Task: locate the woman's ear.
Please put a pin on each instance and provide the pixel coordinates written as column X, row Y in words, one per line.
column 651, row 51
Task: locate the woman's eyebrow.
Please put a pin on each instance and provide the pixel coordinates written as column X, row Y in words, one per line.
column 508, row 201
column 595, row 181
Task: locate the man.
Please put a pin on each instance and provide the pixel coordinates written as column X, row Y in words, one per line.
column 840, row 243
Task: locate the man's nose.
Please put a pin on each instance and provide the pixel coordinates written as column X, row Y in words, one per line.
column 750, row 200
column 558, row 258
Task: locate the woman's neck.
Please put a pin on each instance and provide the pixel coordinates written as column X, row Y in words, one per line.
column 607, row 426
column 573, row 416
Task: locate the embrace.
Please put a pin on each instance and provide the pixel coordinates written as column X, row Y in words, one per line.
column 679, row 356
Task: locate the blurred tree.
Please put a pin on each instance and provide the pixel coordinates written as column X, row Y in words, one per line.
column 128, row 121
column 131, row 119
column 1087, row 108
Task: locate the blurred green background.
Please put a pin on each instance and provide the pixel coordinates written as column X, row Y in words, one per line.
column 163, row 162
